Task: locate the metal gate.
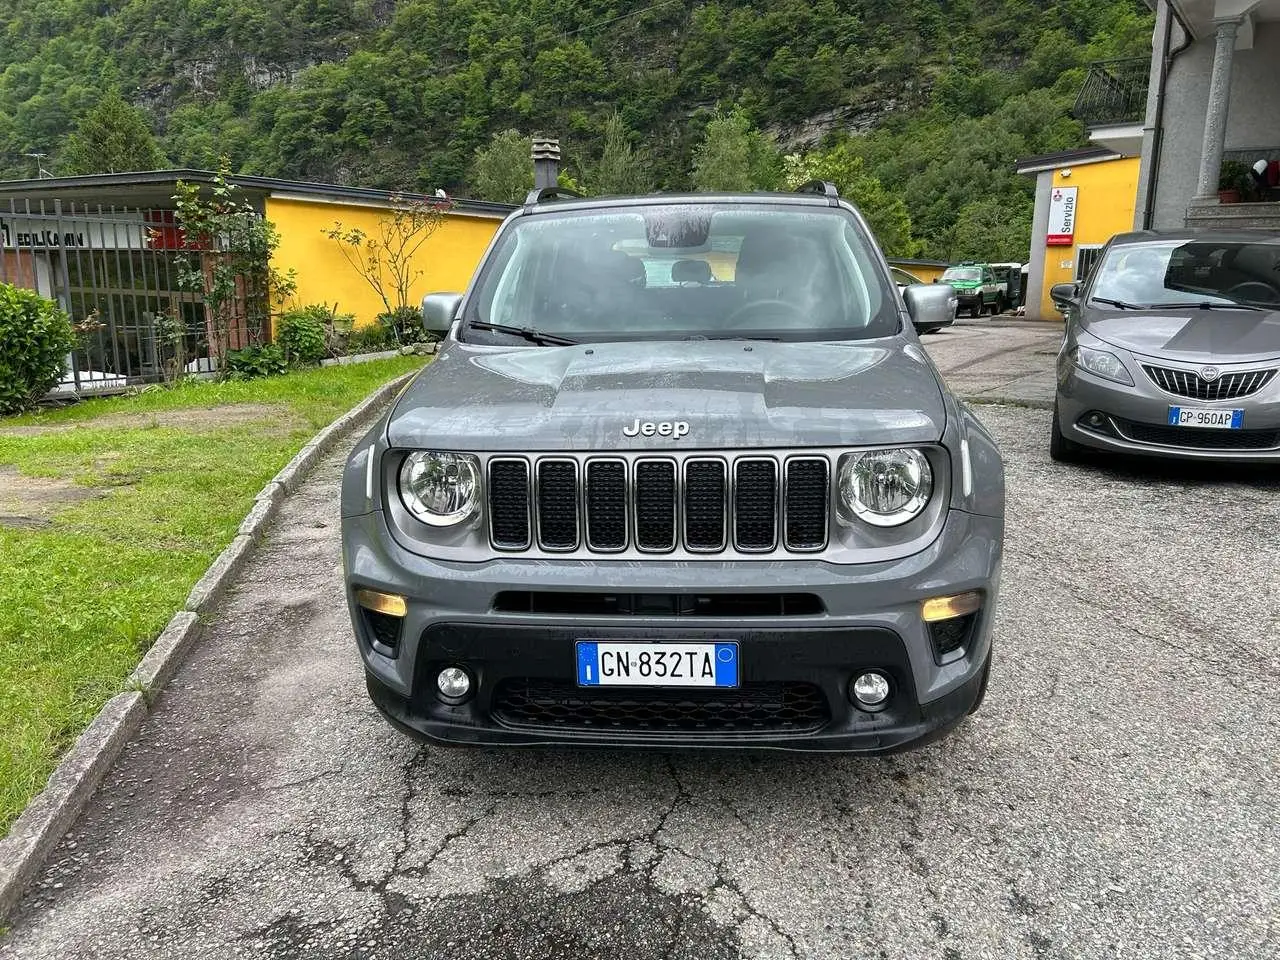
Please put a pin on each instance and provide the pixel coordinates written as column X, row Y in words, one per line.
column 116, row 272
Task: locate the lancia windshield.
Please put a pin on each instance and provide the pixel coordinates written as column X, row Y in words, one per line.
column 680, row 271
column 1189, row 274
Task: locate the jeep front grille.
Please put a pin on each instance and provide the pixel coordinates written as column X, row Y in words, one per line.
column 657, row 504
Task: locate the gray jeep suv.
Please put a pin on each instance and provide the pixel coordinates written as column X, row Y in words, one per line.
column 680, row 476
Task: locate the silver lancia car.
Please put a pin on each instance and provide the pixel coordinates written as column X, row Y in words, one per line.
column 1172, row 349
column 680, row 476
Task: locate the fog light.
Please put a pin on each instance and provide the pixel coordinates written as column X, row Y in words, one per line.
column 870, row 690
column 454, row 683
column 945, row 608
column 392, row 604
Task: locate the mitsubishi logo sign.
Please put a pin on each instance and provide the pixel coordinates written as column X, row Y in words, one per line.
column 1062, row 217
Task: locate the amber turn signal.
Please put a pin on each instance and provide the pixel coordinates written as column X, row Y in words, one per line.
column 393, row 605
column 948, row 608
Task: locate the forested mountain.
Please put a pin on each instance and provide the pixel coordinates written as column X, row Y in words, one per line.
column 943, row 95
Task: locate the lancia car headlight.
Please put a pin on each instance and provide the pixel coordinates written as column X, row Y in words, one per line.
column 1105, row 365
column 885, row 488
column 440, row 489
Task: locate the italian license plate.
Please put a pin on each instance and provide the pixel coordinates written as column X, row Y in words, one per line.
column 606, row 663
column 1202, row 417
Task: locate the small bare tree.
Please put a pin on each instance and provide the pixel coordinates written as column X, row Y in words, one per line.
column 386, row 260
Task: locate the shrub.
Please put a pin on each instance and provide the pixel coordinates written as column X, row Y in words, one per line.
column 337, row 332
column 370, row 339
column 405, row 324
column 35, row 338
column 250, row 362
column 301, row 334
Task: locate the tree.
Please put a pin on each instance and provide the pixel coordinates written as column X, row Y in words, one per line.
column 226, row 260
column 885, row 213
column 993, row 230
column 111, row 138
column 735, row 156
column 621, row 169
column 386, row 261
column 503, row 171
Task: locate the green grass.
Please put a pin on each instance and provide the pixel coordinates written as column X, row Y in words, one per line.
column 83, row 598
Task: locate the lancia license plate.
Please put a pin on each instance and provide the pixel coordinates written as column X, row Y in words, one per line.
column 1203, row 417
column 606, row 663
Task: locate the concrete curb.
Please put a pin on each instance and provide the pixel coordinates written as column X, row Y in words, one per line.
column 51, row 813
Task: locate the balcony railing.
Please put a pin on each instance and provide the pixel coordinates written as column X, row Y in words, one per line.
column 1114, row 92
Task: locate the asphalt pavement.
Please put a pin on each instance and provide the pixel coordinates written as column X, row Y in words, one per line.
column 1116, row 797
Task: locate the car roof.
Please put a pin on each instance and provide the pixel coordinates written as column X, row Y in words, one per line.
column 1184, row 234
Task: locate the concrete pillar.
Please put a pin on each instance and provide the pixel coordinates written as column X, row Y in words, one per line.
column 1215, row 120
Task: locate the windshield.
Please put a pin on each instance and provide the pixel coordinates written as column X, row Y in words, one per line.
column 1190, row 272
column 963, row 273
column 685, row 270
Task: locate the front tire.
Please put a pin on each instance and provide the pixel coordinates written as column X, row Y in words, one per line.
column 1061, row 449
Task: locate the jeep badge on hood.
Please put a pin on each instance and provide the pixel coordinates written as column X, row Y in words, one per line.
column 666, row 428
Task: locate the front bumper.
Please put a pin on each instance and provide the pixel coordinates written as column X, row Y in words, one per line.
column 869, row 617
column 1135, row 419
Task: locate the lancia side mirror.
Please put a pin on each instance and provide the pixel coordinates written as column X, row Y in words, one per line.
column 1065, row 295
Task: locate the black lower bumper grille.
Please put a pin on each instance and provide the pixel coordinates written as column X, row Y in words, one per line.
column 1194, row 439
column 754, row 708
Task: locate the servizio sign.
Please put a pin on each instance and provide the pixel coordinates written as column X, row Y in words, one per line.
column 1062, row 217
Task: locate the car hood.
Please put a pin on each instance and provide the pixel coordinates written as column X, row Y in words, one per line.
column 1198, row 336
column 731, row 394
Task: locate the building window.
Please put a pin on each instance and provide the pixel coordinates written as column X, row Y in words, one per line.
column 1086, row 260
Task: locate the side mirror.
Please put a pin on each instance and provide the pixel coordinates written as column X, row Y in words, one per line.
column 438, row 311
column 930, row 305
column 1065, row 295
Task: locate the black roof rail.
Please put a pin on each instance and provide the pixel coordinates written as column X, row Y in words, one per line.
column 548, row 193
column 823, row 188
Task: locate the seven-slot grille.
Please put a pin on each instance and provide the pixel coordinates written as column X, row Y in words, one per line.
column 1189, row 383
column 654, row 504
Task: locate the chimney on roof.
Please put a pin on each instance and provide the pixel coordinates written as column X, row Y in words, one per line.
column 546, row 162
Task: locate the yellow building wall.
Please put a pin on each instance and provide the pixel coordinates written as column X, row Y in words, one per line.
column 324, row 276
column 1106, row 200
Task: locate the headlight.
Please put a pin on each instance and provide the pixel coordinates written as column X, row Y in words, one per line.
column 440, row 488
column 885, row 488
column 1105, row 365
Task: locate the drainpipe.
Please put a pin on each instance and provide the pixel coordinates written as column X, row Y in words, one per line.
column 1157, row 132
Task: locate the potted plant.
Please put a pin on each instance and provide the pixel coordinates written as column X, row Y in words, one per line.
column 1233, row 181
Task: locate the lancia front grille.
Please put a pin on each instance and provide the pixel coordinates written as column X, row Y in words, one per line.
column 1189, row 383
column 657, row 504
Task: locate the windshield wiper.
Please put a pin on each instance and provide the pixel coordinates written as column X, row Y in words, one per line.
column 1205, row 305
column 1121, row 304
column 524, row 333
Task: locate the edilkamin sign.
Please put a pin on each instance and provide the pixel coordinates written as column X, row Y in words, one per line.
column 25, row 236
column 1062, row 217
column 124, row 232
